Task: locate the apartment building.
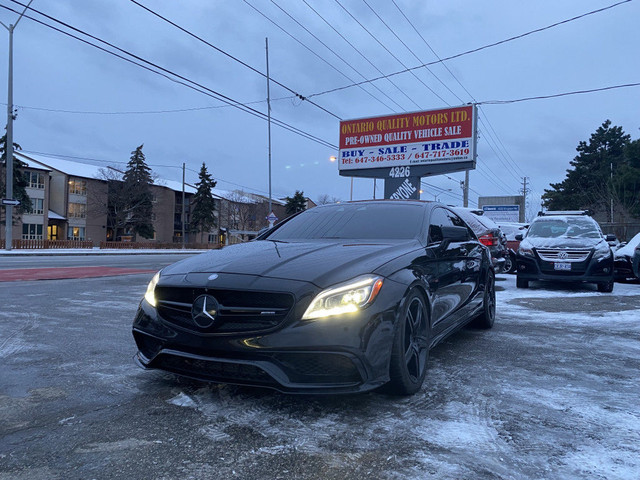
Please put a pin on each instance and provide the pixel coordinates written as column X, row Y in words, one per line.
column 70, row 201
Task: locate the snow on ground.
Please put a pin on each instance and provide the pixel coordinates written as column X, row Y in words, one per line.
column 548, row 393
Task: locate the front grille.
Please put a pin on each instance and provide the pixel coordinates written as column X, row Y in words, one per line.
column 319, row 367
column 214, row 370
column 560, row 255
column 239, row 311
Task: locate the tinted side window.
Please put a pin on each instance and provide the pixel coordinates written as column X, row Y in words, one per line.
column 458, row 222
column 439, row 218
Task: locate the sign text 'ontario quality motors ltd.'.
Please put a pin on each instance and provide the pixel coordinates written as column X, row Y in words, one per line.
column 418, row 138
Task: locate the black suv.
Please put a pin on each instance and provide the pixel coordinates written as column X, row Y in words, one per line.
column 565, row 246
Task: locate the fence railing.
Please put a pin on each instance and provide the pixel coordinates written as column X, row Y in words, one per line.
column 47, row 244
column 163, row 246
column 54, row 244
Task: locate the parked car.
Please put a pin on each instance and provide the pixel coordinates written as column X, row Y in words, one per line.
column 565, row 246
column 510, row 231
column 489, row 234
column 624, row 258
column 339, row 298
column 636, row 262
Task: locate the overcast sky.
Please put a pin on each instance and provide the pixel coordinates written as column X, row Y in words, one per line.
column 55, row 75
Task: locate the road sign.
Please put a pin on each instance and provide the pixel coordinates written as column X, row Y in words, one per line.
column 10, row 201
column 272, row 217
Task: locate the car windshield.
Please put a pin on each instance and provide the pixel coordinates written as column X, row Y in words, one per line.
column 376, row 221
column 574, row 227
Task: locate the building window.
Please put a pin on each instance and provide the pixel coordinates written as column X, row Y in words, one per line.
column 75, row 233
column 52, row 232
column 32, row 231
column 77, row 210
column 37, row 206
column 36, row 180
column 78, row 187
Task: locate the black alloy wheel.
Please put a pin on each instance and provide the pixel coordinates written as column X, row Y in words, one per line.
column 508, row 264
column 410, row 347
column 488, row 315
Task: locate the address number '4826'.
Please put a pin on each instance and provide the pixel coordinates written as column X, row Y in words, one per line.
column 400, row 172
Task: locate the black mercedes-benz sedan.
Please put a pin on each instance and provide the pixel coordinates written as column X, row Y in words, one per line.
column 339, row 298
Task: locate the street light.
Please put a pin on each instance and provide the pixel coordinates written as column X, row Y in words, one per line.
column 436, row 195
column 9, row 146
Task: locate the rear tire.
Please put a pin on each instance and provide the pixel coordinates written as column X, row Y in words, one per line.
column 510, row 265
column 606, row 287
column 522, row 283
column 488, row 316
column 410, row 351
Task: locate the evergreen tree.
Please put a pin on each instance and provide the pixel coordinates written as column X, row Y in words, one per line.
column 296, row 204
column 203, row 217
column 137, row 179
column 606, row 168
column 20, row 181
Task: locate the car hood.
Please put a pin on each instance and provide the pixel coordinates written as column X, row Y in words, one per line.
column 564, row 242
column 321, row 263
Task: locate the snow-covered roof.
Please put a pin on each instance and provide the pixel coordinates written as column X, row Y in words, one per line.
column 232, row 196
column 68, row 167
column 173, row 185
column 54, row 216
column 29, row 162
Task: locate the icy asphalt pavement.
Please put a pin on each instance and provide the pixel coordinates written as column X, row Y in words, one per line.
column 551, row 392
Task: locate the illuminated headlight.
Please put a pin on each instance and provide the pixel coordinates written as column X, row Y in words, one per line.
column 149, row 295
column 345, row 298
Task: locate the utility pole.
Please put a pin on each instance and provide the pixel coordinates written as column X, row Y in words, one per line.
column 465, row 190
column 524, row 197
column 9, row 145
column 266, row 42
column 611, row 167
column 184, row 166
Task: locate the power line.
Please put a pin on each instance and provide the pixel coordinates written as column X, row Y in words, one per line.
column 576, row 92
column 382, row 45
column 120, row 162
column 412, row 53
column 140, row 112
column 475, row 50
column 231, row 56
column 436, row 55
column 356, row 49
column 334, row 52
column 191, row 84
column 316, row 54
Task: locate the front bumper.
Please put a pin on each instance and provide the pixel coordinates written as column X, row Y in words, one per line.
column 333, row 355
column 590, row 270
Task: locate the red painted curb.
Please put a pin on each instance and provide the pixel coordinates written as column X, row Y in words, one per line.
column 25, row 274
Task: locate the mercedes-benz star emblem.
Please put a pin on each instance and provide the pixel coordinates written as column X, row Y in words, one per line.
column 204, row 311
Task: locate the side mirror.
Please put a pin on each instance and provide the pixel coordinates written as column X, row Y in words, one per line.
column 519, row 237
column 455, row 234
column 610, row 237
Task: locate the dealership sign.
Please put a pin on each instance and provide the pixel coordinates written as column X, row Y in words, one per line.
column 419, row 139
column 502, row 213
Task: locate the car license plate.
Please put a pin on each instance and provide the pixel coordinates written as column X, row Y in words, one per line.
column 562, row 266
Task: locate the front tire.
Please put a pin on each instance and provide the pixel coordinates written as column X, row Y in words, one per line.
column 488, row 316
column 522, row 283
column 410, row 351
